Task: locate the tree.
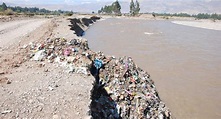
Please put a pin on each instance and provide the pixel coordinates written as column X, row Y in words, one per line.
column 1, row 8
column 107, row 9
column 116, row 7
column 4, row 7
column 101, row 10
column 214, row 16
column 9, row 12
column 132, row 8
column 137, row 7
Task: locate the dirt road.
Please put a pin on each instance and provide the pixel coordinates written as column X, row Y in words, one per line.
column 12, row 32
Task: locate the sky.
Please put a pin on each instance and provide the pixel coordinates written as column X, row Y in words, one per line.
column 53, row 1
column 73, row 1
column 162, row 6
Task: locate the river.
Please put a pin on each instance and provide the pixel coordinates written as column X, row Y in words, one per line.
column 183, row 61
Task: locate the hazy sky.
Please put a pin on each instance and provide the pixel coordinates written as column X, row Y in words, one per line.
column 53, row 1
column 74, row 1
column 160, row 6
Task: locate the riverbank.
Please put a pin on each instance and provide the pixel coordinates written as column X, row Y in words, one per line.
column 31, row 89
column 187, row 21
column 206, row 24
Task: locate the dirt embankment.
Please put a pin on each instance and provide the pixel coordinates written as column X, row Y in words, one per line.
column 80, row 25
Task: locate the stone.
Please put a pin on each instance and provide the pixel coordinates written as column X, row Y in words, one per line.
column 8, row 82
column 6, row 111
column 2, row 72
column 5, row 80
column 55, row 117
column 50, row 88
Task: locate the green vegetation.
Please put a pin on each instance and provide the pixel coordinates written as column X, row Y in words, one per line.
column 3, row 7
column 114, row 8
column 198, row 16
column 134, row 8
column 173, row 15
column 30, row 11
column 208, row 16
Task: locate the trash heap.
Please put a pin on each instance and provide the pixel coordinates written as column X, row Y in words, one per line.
column 121, row 89
column 72, row 55
column 131, row 89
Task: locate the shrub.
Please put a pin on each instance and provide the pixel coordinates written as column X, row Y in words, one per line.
column 8, row 12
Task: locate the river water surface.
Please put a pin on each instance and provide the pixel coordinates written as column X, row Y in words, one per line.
column 184, row 62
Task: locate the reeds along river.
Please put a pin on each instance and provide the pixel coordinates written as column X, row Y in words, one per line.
column 184, row 62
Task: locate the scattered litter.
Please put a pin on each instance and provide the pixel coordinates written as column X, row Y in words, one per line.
column 98, row 63
column 39, row 55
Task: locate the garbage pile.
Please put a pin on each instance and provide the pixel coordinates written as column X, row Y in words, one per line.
column 131, row 89
column 72, row 55
column 121, row 89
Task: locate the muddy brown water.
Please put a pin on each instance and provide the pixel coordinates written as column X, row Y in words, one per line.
column 184, row 62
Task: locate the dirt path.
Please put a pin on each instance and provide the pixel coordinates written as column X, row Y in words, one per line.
column 12, row 32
